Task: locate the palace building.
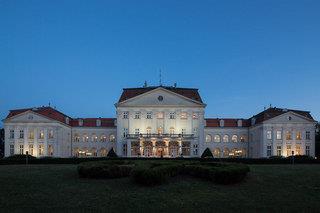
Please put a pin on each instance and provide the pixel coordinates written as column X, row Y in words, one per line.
column 159, row 121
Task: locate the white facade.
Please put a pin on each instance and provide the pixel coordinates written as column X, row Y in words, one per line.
column 159, row 123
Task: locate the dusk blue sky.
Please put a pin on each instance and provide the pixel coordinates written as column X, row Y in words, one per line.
column 78, row 55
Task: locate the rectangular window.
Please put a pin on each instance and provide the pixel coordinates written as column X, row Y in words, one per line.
column 21, row 149
column 137, row 115
column 279, row 135
column 298, row 150
column 50, row 135
column 40, row 150
column 288, row 135
column 172, row 115
column 21, row 134
column 125, row 115
column 31, row 149
column 269, row 135
column 125, row 132
column 308, row 150
column 149, row 115
column 308, row 135
column 298, row 136
column 160, row 115
column 137, row 131
column 31, row 134
column 11, row 134
column 288, row 150
column 279, row 151
column 183, row 115
column 268, row 151
column 183, row 131
column 50, row 150
column 11, row 149
column 195, row 115
column 41, row 134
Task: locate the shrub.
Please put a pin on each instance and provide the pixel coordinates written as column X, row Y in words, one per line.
column 112, row 154
column 207, row 153
column 19, row 157
column 104, row 170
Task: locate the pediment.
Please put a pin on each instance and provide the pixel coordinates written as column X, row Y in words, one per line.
column 29, row 117
column 160, row 97
column 289, row 117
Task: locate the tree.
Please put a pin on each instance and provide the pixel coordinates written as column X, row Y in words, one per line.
column 112, row 154
column 207, row 153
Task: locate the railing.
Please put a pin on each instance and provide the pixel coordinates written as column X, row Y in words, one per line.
column 160, row 136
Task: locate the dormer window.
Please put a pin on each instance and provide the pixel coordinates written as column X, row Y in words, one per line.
column 183, row 115
column 137, row 115
column 67, row 120
column 125, row 115
column 80, row 122
column 195, row 115
column 172, row 115
column 98, row 122
column 160, row 115
column 221, row 123
column 239, row 123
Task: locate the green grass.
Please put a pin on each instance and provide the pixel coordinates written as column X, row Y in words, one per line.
column 268, row 188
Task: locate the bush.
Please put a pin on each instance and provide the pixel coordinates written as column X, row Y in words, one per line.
column 112, row 154
column 19, row 157
column 207, row 153
column 104, row 169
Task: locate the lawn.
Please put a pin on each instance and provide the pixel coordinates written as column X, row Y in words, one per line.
column 57, row 187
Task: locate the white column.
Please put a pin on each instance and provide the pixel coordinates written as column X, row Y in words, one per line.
column 35, row 142
column 25, row 141
column 45, row 141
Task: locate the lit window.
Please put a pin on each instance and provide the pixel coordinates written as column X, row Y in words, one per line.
column 226, row 138
column 234, row 138
column 148, row 131
column 298, row 150
column 50, row 134
column 183, row 115
column 171, row 130
column 50, row 150
column 125, row 115
column 172, row 115
column 21, row 149
column 112, row 138
column 11, row 149
column 279, row 135
column 21, row 134
column 242, row 138
column 94, row 138
column 288, row 135
column 160, row 131
column 31, row 134
column 149, row 115
column 40, row 149
column 85, row 138
column 41, row 134
column 279, row 150
column 308, row 135
column 308, row 150
column 30, row 149
column 217, row 138
column 137, row 115
column 269, row 135
column 11, row 134
column 208, row 138
column 268, row 151
column 195, row 115
column 298, row 136
column 103, row 138
column 288, row 150
column 160, row 115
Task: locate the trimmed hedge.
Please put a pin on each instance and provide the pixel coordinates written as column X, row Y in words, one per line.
column 108, row 169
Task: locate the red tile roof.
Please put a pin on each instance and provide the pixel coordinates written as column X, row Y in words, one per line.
column 186, row 92
column 54, row 114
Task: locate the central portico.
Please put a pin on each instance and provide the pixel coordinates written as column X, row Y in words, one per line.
column 160, row 122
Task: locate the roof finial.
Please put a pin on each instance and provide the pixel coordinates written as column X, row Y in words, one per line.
column 160, row 78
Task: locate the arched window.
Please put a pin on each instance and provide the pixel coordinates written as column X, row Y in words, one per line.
column 94, row 138
column 234, row 138
column 171, row 130
column 217, row 138
column 216, row 153
column 103, row 152
column 226, row 152
column 76, row 138
column 103, row 138
column 226, row 138
column 85, row 138
column 93, row 152
column 208, row 138
column 112, row 138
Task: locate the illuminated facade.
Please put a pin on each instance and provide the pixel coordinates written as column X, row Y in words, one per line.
column 159, row 122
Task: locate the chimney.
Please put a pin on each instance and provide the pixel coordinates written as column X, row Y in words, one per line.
column 145, row 84
column 175, row 85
